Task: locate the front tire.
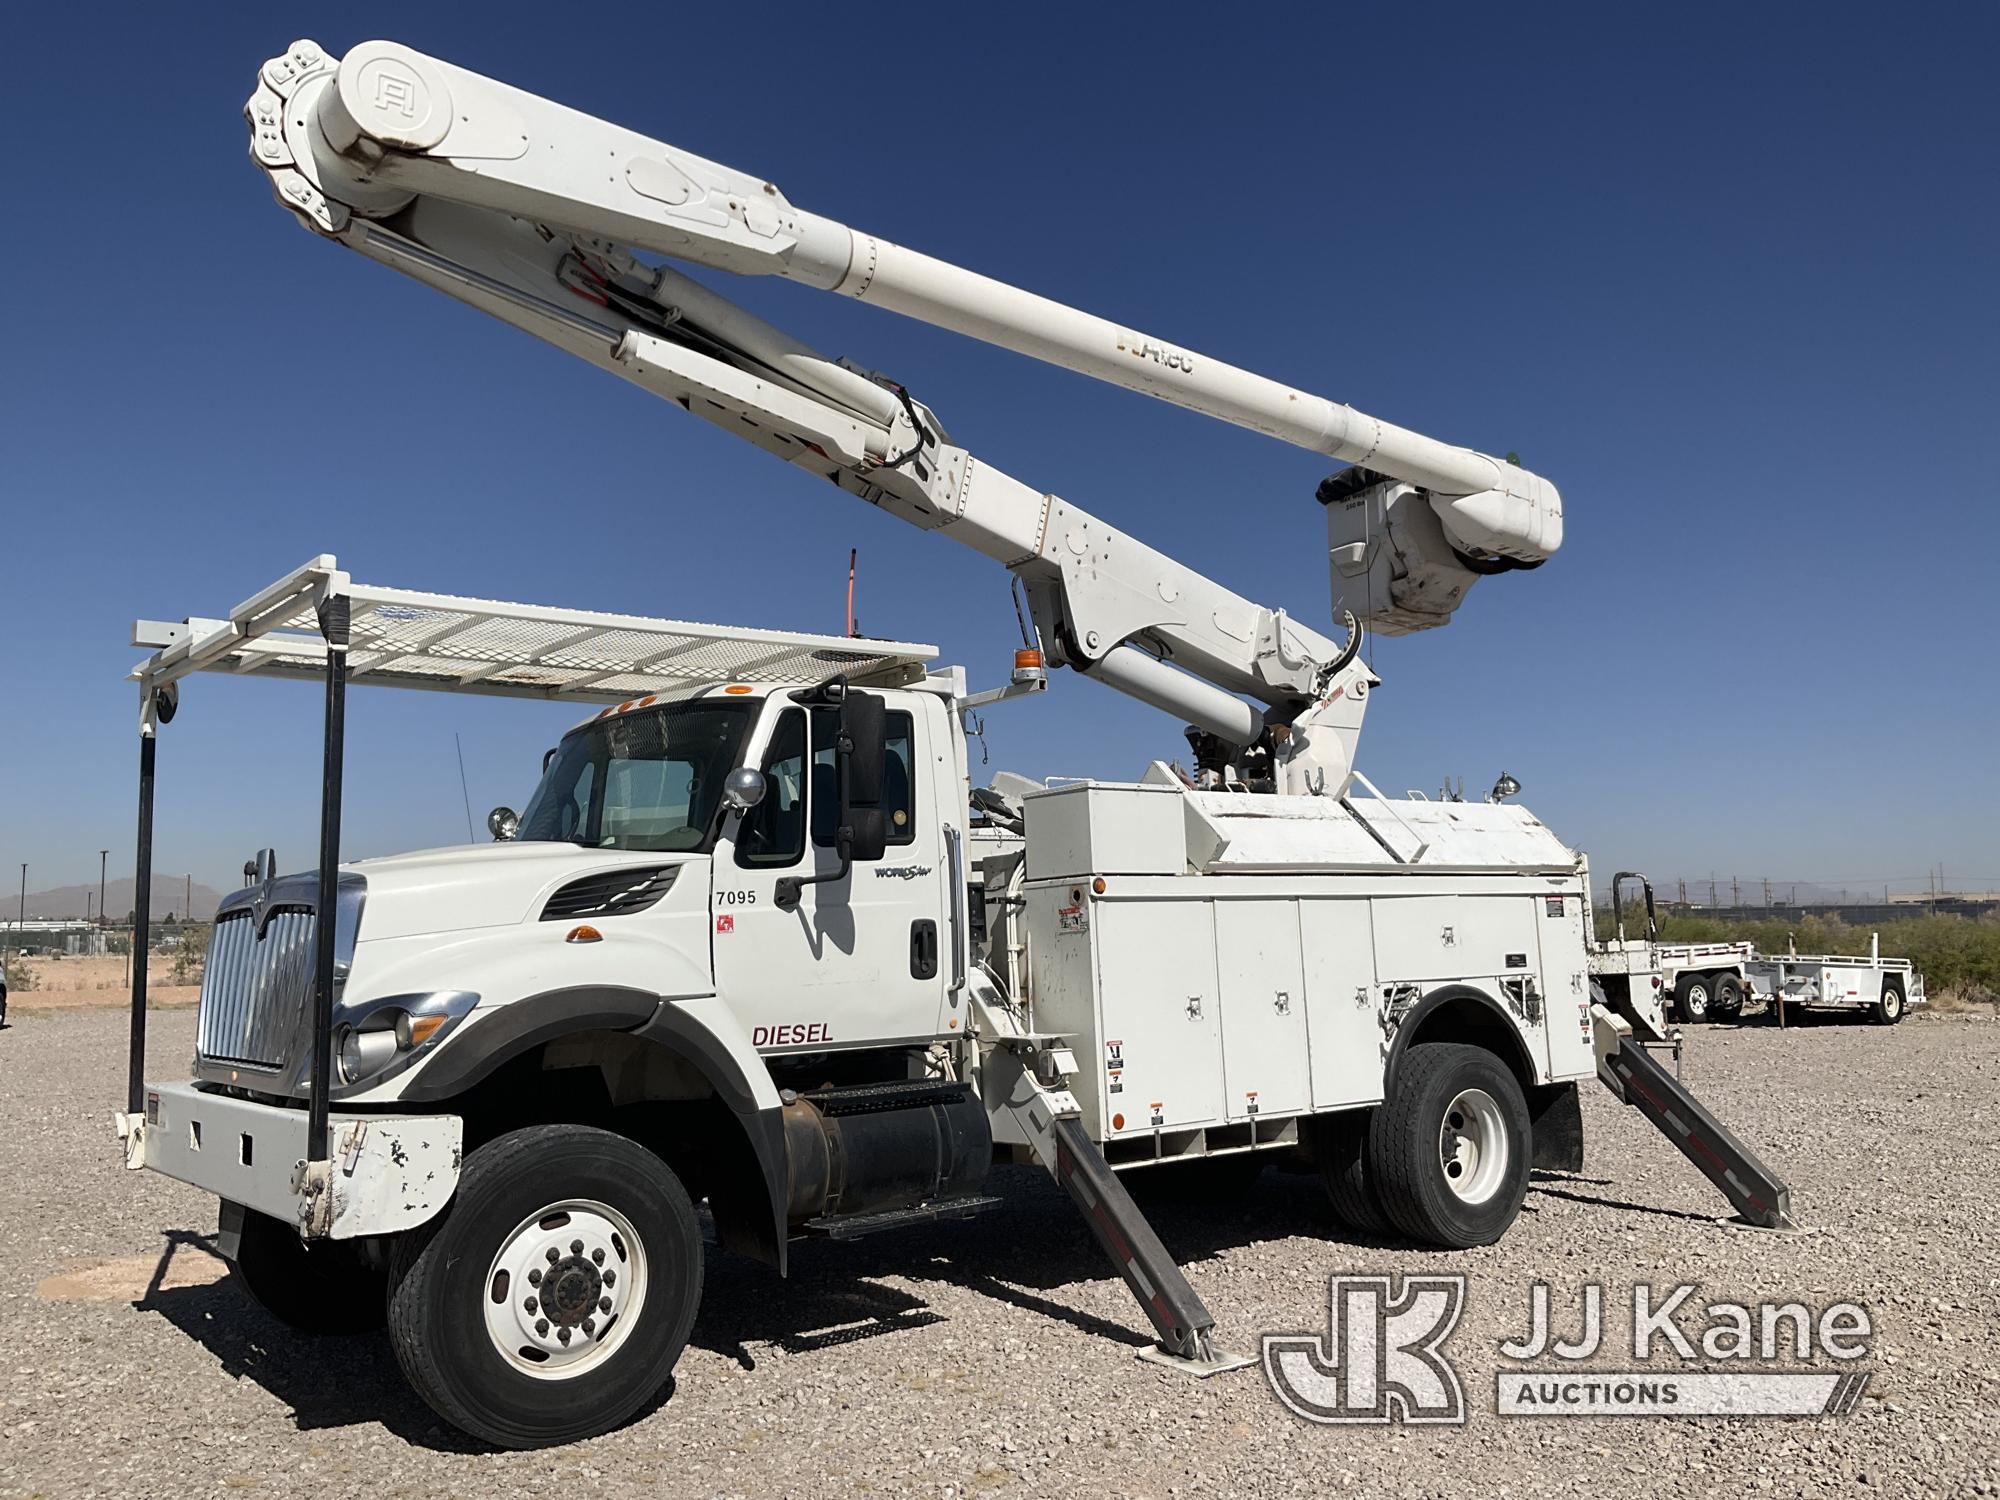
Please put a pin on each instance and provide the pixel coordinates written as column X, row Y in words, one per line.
column 1692, row 996
column 323, row 1288
column 551, row 1301
column 1448, row 1154
column 1889, row 1009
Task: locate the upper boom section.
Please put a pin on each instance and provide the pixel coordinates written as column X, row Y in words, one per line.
column 391, row 125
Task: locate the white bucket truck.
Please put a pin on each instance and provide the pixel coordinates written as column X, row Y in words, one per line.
column 735, row 949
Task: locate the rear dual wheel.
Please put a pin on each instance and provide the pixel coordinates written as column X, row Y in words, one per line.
column 1445, row 1159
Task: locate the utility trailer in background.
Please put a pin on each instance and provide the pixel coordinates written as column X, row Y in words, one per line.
column 1687, row 981
column 1884, row 987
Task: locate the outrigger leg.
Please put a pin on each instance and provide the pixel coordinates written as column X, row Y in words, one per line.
column 1629, row 1071
column 1051, row 1120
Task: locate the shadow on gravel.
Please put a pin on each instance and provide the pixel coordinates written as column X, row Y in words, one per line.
column 1592, row 1200
column 1024, row 1252
column 327, row 1382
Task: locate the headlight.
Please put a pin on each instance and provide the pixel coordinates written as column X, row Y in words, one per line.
column 377, row 1039
column 365, row 1052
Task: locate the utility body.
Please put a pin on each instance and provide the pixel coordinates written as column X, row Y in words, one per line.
column 756, row 941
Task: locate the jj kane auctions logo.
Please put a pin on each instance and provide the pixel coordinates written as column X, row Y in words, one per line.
column 1382, row 1357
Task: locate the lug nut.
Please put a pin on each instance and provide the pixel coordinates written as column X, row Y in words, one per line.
column 529, row 1304
column 611, row 1278
column 590, row 1325
column 563, row 1334
column 554, row 1255
column 534, row 1278
column 576, row 1247
column 598, row 1256
column 604, row 1304
column 542, row 1327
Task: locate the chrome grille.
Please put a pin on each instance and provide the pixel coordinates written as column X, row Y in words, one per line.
column 255, row 987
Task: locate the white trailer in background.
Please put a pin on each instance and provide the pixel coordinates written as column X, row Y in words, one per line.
column 1884, row 987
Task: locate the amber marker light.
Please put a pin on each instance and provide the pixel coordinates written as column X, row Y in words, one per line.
column 584, row 934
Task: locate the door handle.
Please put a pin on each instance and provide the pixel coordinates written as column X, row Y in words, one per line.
column 923, row 949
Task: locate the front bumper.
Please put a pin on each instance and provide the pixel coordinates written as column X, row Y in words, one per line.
column 388, row 1172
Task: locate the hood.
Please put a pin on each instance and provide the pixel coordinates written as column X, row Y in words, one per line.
column 480, row 885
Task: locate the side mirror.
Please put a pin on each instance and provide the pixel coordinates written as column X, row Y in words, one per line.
column 743, row 788
column 503, row 823
column 863, row 721
column 864, row 833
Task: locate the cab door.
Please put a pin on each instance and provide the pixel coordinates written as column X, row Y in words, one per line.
column 859, row 961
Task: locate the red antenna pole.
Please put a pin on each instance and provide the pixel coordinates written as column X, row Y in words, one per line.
column 852, row 554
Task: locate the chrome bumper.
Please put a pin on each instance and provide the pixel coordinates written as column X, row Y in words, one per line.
column 388, row 1172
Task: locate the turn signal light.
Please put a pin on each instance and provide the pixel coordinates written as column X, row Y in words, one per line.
column 584, row 934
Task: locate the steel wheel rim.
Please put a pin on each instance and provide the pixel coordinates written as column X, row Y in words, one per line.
column 565, row 1289
column 1473, row 1146
column 1697, row 999
column 1892, row 1002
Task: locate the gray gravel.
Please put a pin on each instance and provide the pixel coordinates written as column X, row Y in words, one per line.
column 994, row 1357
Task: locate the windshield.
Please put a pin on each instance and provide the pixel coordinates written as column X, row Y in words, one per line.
column 648, row 781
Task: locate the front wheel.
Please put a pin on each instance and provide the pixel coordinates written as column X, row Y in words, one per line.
column 1889, row 1009
column 550, row 1302
column 1448, row 1153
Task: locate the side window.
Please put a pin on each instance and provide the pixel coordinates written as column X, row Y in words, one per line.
column 774, row 832
column 899, row 779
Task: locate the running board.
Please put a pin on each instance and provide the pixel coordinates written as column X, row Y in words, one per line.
column 1629, row 1071
column 853, row 1226
column 1175, row 1311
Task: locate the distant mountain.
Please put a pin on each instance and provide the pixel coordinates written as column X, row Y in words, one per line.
column 170, row 894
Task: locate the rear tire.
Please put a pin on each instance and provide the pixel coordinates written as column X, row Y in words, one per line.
column 549, row 1225
column 323, row 1288
column 1449, row 1153
column 1728, row 1002
column 1692, row 997
column 1889, row 1009
column 1340, row 1146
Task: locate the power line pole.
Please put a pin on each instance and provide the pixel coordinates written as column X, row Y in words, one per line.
column 21, row 923
column 1735, row 893
column 1711, row 890
column 1767, row 892
column 103, row 855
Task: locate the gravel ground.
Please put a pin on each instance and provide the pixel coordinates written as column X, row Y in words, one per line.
column 995, row 1357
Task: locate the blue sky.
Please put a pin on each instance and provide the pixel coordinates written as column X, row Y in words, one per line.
column 1725, row 277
